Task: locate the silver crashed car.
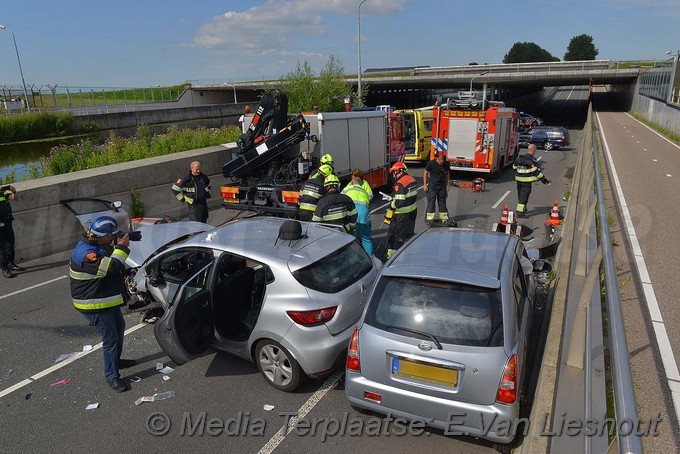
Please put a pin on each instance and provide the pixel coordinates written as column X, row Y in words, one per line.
column 444, row 336
column 281, row 293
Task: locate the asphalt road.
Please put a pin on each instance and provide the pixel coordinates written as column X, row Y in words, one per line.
column 38, row 323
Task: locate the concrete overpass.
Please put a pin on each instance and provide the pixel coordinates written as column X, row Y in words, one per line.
column 422, row 85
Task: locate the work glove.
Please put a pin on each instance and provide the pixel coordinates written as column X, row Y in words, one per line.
column 386, row 197
column 545, row 181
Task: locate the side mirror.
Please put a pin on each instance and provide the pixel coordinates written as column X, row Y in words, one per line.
column 116, row 205
column 542, row 266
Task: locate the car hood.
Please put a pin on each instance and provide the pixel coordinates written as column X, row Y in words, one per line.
column 156, row 236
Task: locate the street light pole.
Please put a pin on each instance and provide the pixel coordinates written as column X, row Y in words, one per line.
column 359, row 52
column 230, row 85
column 16, row 49
column 474, row 77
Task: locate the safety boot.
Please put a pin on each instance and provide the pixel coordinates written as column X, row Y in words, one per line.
column 7, row 273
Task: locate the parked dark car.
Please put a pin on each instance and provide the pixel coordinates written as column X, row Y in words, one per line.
column 547, row 137
column 527, row 121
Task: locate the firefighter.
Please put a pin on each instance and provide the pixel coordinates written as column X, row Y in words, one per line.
column 527, row 172
column 334, row 207
column 194, row 189
column 404, row 208
column 7, row 264
column 325, row 160
column 436, row 184
column 311, row 191
column 357, row 192
column 96, row 278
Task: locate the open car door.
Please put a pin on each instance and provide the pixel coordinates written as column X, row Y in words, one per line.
column 187, row 328
column 87, row 209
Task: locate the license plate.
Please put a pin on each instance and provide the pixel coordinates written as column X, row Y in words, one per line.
column 424, row 372
column 227, row 200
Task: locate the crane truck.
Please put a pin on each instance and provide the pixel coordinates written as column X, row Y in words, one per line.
column 276, row 153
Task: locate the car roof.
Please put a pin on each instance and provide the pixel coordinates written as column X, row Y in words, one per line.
column 476, row 257
column 257, row 238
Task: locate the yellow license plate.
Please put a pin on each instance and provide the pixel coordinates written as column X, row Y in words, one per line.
column 226, row 200
column 424, row 372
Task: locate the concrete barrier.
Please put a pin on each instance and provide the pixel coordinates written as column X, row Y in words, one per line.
column 43, row 226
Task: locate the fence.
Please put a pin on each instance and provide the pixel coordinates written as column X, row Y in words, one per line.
column 574, row 365
column 86, row 99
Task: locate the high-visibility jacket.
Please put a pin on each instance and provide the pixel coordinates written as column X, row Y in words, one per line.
column 5, row 207
column 192, row 188
column 311, row 191
column 336, row 208
column 405, row 194
column 96, row 278
column 360, row 197
column 527, row 169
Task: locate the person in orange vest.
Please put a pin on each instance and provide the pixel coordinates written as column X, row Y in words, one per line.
column 404, row 208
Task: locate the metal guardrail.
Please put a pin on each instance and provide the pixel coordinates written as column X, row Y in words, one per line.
column 580, row 65
column 572, row 379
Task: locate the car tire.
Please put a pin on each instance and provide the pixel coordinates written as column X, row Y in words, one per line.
column 547, row 146
column 278, row 366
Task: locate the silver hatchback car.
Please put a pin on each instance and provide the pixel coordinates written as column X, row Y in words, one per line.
column 444, row 336
column 281, row 293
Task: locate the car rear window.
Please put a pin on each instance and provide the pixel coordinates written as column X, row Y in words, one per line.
column 453, row 313
column 336, row 271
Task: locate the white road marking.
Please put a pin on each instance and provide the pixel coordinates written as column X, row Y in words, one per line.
column 32, row 287
column 669, row 175
column 655, row 132
column 500, row 200
column 655, row 160
column 58, row 366
column 301, row 413
column 663, row 343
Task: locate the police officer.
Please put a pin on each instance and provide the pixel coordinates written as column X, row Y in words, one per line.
column 311, row 191
column 96, row 279
column 334, row 207
column 403, row 206
column 527, row 172
column 194, row 189
column 436, row 184
column 357, row 192
column 7, row 264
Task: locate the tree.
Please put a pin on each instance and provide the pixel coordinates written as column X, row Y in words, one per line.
column 327, row 91
column 581, row 47
column 527, row 53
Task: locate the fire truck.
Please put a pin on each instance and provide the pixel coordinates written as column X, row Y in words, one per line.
column 484, row 141
column 275, row 154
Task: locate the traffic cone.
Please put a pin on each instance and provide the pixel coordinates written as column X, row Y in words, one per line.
column 554, row 218
column 504, row 216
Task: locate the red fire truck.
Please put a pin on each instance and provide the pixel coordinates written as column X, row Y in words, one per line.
column 482, row 141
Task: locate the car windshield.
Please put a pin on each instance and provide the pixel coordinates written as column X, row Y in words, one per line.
column 336, row 271
column 453, row 313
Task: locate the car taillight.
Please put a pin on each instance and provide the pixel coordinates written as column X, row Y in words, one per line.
column 353, row 352
column 311, row 318
column 507, row 389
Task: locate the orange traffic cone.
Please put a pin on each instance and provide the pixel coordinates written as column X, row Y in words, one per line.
column 554, row 218
column 504, row 216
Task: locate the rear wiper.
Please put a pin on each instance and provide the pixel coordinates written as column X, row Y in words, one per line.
column 422, row 333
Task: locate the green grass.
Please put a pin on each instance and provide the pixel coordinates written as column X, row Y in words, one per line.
column 672, row 136
column 29, row 126
column 88, row 155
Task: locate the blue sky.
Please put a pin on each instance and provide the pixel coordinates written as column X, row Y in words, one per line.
column 141, row 43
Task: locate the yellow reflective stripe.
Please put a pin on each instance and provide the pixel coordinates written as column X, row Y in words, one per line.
column 98, row 303
column 80, row 276
column 189, row 200
column 104, row 266
column 308, row 206
column 180, row 196
column 333, row 217
column 524, row 169
column 316, row 218
column 408, row 209
column 310, row 193
column 119, row 255
column 189, row 189
column 399, row 197
column 176, row 188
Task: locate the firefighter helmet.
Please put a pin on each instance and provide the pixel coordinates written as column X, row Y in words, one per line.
column 398, row 166
column 325, row 170
column 331, row 181
column 327, row 159
column 103, row 226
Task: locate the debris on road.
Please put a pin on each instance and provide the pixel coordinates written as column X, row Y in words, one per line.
column 268, row 407
column 155, row 397
column 63, row 381
column 166, row 370
column 166, row 378
column 93, row 406
column 65, row 357
column 136, row 379
column 28, row 396
column 87, row 348
column 7, row 375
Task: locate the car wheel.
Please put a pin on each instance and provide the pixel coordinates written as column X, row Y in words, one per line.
column 278, row 366
column 548, row 146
